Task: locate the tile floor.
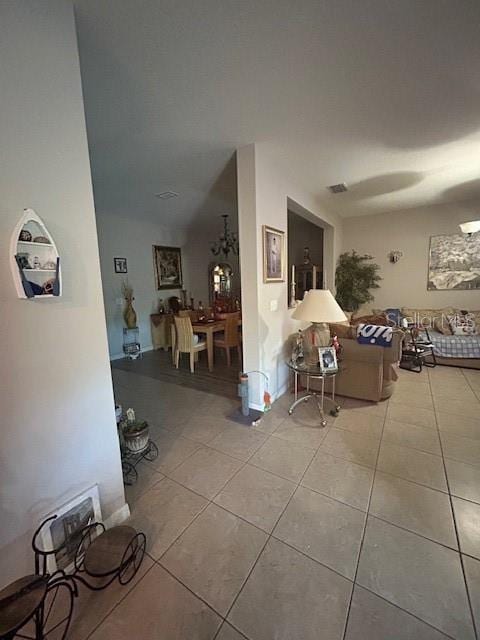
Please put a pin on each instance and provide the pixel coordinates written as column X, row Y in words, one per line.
column 368, row 529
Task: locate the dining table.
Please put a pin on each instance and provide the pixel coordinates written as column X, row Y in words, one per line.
column 209, row 328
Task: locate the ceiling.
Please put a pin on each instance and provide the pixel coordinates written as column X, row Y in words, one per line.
column 381, row 94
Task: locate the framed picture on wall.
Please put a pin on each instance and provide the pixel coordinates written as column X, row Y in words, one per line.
column 167, row 264
column 120, row 265
column 273, row 255
column 453, row 262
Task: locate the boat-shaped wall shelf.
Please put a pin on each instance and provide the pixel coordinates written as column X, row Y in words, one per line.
column 34, row 259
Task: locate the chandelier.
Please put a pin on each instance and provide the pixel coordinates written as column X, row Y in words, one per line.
column 228, row 241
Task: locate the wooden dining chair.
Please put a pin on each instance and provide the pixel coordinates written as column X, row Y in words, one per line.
column 230, row 337
column 189, row 313
column 186, row 341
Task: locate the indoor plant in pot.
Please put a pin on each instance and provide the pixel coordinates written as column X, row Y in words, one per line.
column 354, row 278
column 135, row 433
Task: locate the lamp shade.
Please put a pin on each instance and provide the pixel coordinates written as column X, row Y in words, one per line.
column 319, row 305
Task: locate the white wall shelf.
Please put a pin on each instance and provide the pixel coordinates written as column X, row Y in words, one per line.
column 23, row 257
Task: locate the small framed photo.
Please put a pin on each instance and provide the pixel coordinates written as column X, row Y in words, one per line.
column 273, row 255
column 65, row 530
column 327, row 357
column 120, row 265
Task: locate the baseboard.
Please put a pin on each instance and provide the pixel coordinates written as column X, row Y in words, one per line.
column 118, row 516
column 119, row 356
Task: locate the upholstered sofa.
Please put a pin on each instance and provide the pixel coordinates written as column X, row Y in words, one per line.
column 367, row 372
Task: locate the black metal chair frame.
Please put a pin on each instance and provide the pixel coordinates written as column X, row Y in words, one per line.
column 59, row 579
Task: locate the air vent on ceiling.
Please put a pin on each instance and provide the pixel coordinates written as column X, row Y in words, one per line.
column 166, row 195
column 341, row 187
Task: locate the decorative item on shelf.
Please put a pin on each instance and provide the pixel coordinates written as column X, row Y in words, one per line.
column 227, row 242
column 318, row 307
column 394, row 256
column 184, row 298
column 174, row 304
column 355, row 276
column 273, row 255
column 192, row 303
column 31, row 274
column 337, row 346
column 25, row 236
column 201, row 312
column 129, row 315
column 161, row 306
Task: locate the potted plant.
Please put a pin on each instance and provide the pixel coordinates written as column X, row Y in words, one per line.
column 354, row 278
column 136, row 433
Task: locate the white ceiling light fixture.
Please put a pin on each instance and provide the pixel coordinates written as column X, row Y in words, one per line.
column 166, row 195
column 470, row 227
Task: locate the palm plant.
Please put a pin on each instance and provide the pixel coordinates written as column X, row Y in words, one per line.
column 355, row 276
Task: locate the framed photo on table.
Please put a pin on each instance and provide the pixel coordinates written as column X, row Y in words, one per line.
column 327, row 357
column 273, row 255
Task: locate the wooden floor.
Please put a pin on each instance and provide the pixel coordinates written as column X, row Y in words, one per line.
column 221, row 381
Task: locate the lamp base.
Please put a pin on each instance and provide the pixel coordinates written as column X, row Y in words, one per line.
column 316, row 335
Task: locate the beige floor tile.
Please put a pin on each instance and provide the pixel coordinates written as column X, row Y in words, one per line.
column 206, row 471
column 414, row 507
column 286, row 459
column 163, row 512
column 214, row 556
column 147, row 478
column 92, row 607
column 418, row 575
column 309, row 436
column 340, row 479
column 363, row 407
column 257, row 496
column 351, row 446
column 410, row 464
column 420, row 398
column 239, row 442
column 324, row 529
column 463, row 394
column 203, row 428
column 408, row 435
column 227, row 632
column 461, row 449
column 271, row 420
column 472, row 573
column 412, row 415
column 288, row 592
column 463, row 479
column 172, row 451
column 467, row 517
column 459, row 425
column 373, row 618
column 159, row 607
column 307, row 414
column 470, row 409
column 368, row 425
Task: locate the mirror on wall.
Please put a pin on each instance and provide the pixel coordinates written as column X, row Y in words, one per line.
column 220, row 281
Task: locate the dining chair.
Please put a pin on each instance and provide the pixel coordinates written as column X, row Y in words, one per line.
column 230, row 337
column 187, row 341
column 189, row 313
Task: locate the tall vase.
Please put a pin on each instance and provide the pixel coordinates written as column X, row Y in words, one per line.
column 129, row 315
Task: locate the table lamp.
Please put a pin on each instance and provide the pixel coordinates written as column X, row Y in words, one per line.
column 318, row 307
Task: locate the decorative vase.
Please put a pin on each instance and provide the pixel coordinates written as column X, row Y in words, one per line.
column 129, row 315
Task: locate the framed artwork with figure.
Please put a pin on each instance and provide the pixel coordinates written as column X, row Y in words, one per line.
column 167, row 262
column 273, row 255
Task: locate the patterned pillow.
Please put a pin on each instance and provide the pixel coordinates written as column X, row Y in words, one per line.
column 463, row 324
column 379, row 335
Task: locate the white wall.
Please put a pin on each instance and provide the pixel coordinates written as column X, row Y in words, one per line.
column 58, row 432
column 264, row 186
column 405, row 283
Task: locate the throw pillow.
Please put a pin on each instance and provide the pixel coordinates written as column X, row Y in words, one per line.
column 462, row 324
column 373, row 319
column 380, row 336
